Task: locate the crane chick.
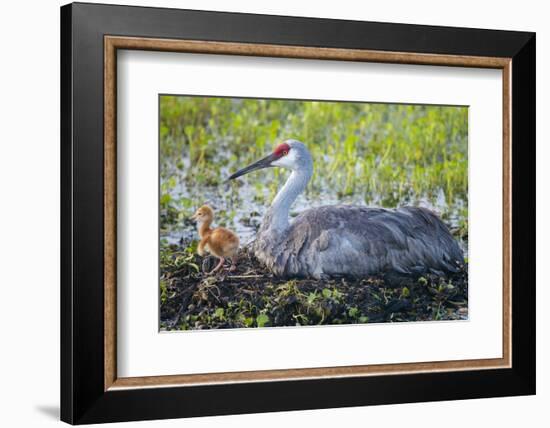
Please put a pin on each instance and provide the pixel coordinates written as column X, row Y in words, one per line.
column 219, row 241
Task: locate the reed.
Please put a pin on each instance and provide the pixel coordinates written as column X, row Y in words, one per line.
column 376, row 154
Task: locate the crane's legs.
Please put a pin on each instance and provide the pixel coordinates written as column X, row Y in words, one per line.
column 233, row 267
column 218, row 266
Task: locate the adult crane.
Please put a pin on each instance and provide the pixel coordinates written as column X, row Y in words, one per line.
column 346, row 240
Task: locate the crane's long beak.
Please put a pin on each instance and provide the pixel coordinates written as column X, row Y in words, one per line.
column 262, row 163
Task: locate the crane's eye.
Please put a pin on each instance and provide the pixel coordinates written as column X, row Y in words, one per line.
column 285, row 153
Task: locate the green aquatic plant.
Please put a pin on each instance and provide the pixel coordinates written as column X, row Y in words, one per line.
column 377, row 154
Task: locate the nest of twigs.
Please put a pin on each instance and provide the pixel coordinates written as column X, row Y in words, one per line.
column 252, row 297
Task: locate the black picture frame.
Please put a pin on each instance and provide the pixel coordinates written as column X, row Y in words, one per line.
column 83, row 398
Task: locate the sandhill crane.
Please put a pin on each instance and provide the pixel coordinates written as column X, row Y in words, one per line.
column 219, row 241
column 345, row 240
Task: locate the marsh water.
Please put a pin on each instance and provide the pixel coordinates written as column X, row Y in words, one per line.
column 242, row 211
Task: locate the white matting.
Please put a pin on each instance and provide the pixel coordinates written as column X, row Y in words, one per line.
column 143, row 351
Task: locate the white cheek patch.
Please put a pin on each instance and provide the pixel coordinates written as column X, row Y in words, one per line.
column 279, row 162
column 287, row 161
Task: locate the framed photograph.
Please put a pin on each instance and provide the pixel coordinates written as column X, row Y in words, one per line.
column 265, row 213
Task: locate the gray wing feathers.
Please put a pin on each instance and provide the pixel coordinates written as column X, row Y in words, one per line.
column 358, row 241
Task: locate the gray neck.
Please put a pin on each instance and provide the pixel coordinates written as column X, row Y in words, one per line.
column 277, row 216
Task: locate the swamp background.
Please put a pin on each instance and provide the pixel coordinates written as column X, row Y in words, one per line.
column 386, row 155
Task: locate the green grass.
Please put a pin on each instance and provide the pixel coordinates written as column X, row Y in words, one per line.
column 376, row 154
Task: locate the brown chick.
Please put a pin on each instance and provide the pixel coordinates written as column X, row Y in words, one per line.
column 219, row 241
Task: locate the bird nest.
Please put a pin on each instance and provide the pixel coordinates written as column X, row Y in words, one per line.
column 252, row 297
